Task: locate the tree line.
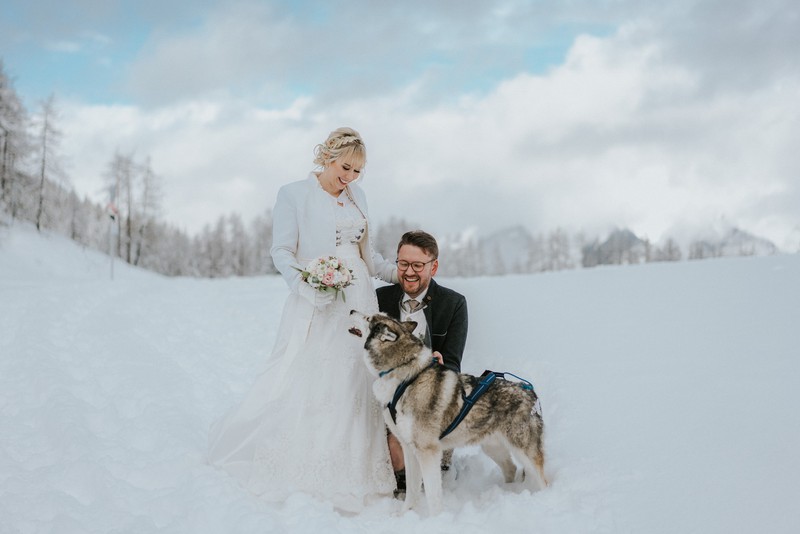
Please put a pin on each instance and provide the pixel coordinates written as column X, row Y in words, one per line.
column 35, row 188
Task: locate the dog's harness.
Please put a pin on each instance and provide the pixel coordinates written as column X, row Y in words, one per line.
column 487, row 378
column 402, row 389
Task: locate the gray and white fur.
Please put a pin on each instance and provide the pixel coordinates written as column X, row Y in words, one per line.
column 504, row 421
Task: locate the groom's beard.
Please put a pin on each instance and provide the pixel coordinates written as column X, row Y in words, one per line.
column 414, row 284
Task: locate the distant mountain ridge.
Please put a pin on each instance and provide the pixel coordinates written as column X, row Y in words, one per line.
column 734, row 242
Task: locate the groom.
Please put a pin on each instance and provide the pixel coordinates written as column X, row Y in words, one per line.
column 440, row 314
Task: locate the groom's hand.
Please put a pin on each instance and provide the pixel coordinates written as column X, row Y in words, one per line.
column 438, row 356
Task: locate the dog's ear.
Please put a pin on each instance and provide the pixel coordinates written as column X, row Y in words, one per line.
column 409, row 326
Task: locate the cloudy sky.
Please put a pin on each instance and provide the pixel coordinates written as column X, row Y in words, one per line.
column 664, row 117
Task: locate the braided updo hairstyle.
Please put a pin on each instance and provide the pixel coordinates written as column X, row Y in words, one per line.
column 342, row 143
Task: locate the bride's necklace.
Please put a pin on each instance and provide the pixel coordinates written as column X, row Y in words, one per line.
column 334, row 195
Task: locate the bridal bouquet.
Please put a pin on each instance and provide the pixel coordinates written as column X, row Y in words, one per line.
column 328, row 273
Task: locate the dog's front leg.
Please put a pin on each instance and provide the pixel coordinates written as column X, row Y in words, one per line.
column 430, row 460
column 413, row 478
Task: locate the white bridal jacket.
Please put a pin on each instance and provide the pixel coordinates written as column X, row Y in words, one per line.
column 304, row 228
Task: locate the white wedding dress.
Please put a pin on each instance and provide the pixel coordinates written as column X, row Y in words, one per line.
column 310, row 422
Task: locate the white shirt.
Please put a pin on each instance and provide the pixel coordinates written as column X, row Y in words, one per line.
column 418, row 316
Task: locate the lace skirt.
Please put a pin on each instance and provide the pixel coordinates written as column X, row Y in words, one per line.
column 310, row 422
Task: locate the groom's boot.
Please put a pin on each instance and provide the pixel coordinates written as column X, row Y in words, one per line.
column 400, row 477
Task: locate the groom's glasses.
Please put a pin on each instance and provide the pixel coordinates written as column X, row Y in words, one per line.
column 416, row 265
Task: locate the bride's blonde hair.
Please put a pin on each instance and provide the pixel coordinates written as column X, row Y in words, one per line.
column 342, row 143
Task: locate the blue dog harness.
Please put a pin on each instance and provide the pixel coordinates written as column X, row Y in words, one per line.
column 469, row 402
column 402, row 389
column 487, row 379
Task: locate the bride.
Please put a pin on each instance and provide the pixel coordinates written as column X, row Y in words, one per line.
column 310, row 422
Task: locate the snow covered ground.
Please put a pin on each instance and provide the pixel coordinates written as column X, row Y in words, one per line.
column 669, row 393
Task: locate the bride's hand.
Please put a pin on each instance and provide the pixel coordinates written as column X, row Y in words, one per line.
column 318, row 299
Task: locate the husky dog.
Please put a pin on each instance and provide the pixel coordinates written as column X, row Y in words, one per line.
column 504, row 421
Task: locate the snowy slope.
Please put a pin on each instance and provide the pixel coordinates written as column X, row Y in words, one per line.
column 668, row 392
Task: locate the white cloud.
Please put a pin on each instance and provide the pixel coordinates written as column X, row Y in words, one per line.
column 66, row 47
column 625, row 132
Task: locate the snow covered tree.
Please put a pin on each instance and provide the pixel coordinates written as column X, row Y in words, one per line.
column 261, row 229
column 669, row 252
column 558, row 254
column 112, row 180
column 239, row 251
column 388, row 234
column 461, row 255
column 15, row 146
column 149, row 207
column 48, row 137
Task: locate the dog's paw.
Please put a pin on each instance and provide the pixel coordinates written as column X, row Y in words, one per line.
column 450, row 475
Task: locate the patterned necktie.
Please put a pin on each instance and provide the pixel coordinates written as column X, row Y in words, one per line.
column 412, row 305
